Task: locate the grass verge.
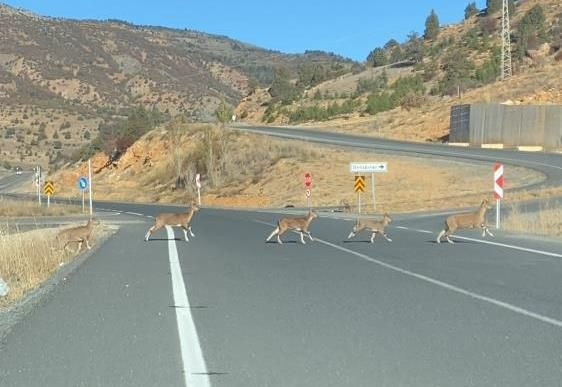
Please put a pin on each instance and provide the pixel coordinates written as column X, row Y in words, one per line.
column 29, row 258
column 547, row 221
column 14, row 208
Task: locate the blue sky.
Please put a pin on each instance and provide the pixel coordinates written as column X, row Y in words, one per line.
column 350, row 28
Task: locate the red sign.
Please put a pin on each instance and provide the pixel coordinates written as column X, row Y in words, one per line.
column 307, row 180
column 498, row 181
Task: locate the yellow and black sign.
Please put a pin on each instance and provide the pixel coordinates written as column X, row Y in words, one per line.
column 359, row 185
column 49, row 188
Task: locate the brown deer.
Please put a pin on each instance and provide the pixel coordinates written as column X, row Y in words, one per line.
column 178, row 219
column 475, row 219
column 78, row 234
column 374, row 226
column 300, row 224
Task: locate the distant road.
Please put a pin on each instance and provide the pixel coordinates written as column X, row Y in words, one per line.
column 548, row 163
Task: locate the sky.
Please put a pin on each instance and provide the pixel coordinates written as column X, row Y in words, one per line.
column 350, row 28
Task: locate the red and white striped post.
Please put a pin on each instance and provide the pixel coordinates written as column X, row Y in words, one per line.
column 308, row 184
column 498, row 190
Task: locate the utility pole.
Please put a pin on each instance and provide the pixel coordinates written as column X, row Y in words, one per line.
column 506, row 43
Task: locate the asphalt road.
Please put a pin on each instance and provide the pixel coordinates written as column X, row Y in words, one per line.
column 331, row 313
column 228, row 309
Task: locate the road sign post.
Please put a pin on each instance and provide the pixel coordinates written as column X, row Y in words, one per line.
column 498, row 190
column 198, row 185
column 38, row 183
column 49, row 189
column 372, row 167
column 308, row 185
column 358, row 187
column 91, row 184
column 83, row 184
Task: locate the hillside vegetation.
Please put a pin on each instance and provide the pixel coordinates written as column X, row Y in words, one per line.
column 62, row 82
column 407, row 89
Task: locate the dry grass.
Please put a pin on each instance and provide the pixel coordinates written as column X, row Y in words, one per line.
column 547, row 221
column 247, row 170
column 28, row 258
column 15, row 208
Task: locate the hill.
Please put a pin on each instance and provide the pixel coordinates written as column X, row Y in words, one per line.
column 62, row 80
column 407, row 88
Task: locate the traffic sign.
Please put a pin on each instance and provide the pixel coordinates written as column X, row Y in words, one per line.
column 498, row 181
column 307, row 180
column 368, row 167
column 359, row 185
column 49, row 188
column 82, row 183
column 307, row 193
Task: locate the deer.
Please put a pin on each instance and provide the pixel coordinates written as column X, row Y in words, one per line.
column 78, row 234
column 300, row 224
column 467, row 220
column 177, row 219
column 374, row 226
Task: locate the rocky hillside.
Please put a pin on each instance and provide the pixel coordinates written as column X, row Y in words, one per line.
column 63, row 78
column 407, row 88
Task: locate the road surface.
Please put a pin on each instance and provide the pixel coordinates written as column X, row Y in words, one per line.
column 228, row 309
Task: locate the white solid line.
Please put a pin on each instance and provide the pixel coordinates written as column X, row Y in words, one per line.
column 150, row 216
column 490, row 300
column 194, row 368
column 542, row 252
column 514, row 247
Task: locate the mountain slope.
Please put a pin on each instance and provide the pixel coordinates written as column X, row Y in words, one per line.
column 87, row 72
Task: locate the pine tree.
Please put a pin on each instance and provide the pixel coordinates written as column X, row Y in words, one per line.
column 493, row 6
column 431, row 26
column 470, row 10
column 377, row 57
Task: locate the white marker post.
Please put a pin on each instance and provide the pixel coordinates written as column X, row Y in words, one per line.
column 198, row 184
column 308, row 187
column 498, row 190
column 38, row 183
column 90, row 184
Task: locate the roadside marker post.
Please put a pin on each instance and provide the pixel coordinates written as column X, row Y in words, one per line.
column 198, row 185
column 372, row 167
column 498, row 190
column 308, row 185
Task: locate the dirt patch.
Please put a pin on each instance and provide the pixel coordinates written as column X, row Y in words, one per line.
column 252, row 171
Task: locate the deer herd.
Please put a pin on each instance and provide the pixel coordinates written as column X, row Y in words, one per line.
column 476, row 219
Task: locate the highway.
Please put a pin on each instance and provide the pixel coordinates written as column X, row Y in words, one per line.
column 228, row 309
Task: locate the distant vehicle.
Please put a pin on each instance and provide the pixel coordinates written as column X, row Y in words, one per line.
column 18, row 171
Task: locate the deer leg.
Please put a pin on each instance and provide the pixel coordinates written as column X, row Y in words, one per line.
column 386, row 237
column 440, row 236
column 351, row 235
column 449, row 239
column 275, row 232
column 373, row 235
column 487, row 230
column 79, row 246
column 309, row 236
column 185, row 233
column 88, row 244
column 302, row 238
column 149, row 232
column 190, row 232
